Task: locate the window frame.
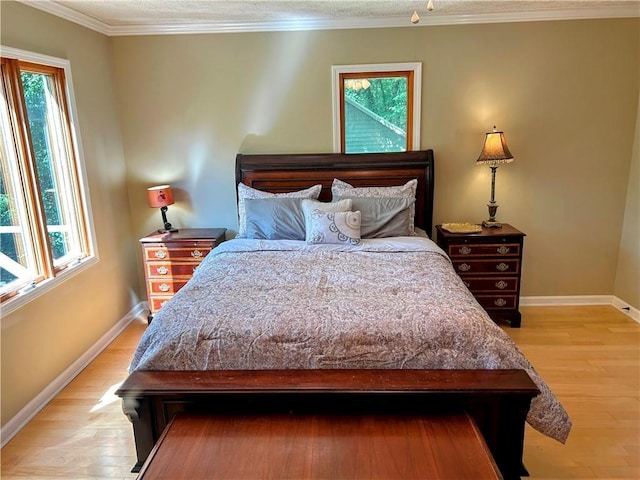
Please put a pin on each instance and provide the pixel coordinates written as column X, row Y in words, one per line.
column 52, row 273
column 414, row 90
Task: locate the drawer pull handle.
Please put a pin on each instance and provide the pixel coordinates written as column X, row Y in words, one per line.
column 465, row 250
column 503, row 267
column 196, row 254
column 162, row 270
column 164, row 287
column 502, row 284
column 502, row 250
column 163, row 304
column 500, row 302
column 161, row 254
column 464, row 267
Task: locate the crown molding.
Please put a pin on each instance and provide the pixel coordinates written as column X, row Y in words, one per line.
column 326, row 24
column 68, row 14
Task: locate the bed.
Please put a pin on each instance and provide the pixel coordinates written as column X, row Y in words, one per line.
column 387, row 303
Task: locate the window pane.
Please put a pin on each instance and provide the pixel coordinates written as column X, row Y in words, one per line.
column 44, row 219
column 52, row 164
column 17, row 258
column 375, row 112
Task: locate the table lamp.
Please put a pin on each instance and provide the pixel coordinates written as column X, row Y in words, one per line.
column 161, row 196
column 494, row 153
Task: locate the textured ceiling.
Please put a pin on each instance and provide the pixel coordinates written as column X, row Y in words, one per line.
column 127, row 15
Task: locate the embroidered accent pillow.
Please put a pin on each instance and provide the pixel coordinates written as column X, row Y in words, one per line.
column 334, row 227
column 309, row 206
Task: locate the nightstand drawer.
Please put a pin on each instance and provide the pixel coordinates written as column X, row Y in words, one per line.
column 169, row 270
column 492, row 284
column 493, row 302
column 152, row 252
column 157, row 302
column 166, row 287
column 473, row 267
column 494, row 250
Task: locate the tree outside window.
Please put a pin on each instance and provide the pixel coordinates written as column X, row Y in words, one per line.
column 376, row 108
column 44, row 224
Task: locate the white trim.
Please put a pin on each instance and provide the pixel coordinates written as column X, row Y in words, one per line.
column 567, row 300
column 42, row 287
column 617, row 11
column 67, row 13
column 627, row 309
column 336, row 70
column 15, row 424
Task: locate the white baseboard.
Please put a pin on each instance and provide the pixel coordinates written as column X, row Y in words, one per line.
column 566, row 300
column 624, row 307
column 15, row 424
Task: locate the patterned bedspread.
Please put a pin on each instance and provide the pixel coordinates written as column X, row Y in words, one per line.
column 387, row 303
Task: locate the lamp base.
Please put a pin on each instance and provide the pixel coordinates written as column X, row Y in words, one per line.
column 491, row 224
column 162, row 230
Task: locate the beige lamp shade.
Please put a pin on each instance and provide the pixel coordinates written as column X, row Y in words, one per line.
column 495, row 151
column 160, row 196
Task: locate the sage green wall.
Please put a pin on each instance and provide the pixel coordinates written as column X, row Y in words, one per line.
column 43, row 338
column 565, row 93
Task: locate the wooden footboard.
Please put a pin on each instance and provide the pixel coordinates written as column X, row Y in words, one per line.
column 497, row 400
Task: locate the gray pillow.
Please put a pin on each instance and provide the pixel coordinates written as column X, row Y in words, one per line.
column 341, row 189
column 274, row 218
column 384, row 216
column 245, row 192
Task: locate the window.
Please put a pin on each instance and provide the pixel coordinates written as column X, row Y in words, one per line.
column 44, row 218
column 376, row 108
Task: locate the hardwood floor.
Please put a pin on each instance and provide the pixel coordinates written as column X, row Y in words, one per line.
column 590, row 357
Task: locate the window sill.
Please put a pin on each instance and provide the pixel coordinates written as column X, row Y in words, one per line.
column 45, row 286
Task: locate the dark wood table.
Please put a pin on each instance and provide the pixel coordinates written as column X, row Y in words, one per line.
column 321, row 446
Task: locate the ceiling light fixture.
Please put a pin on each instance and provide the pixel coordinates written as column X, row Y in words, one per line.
column 415, row 18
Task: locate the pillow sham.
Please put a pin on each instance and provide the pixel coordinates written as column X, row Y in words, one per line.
column 309, row 205
column 384, row 217
column 334, row 227
column 245, row 192
column 275, row 218
column 341, row 189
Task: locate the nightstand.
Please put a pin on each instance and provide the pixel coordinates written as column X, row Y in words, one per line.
column 490, row 265
column 171, row 258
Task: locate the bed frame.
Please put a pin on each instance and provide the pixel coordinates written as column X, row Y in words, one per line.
column 497, row 400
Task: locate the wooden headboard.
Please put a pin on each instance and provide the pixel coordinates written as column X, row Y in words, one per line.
column 288, row 172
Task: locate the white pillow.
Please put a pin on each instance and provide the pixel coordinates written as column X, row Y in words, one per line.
column 334, row 227
column 245, row 191
column 340, row 189
column 309, row 205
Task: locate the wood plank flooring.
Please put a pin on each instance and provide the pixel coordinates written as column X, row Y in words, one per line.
column 589, row 355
